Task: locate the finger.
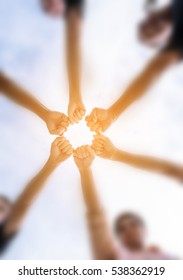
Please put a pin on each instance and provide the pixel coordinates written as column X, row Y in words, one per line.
column 66, row 148
column 95, row 118
column 58, row 131
column 87, row 119
column 90, row 117
column 98, row 153
column 58, row 140
column 96, row 148
column 83, row 151
column 76, row 117
column 63, row 144
column 90, row 150
column 98, row 144
column 70, row 151
column 79, row 153
column 82, row 112
column 99, row 130
column 95, row 127
column 100, row 137
column 90, row 123
column 99, row 141
column 65, row 124
column 72, row 119
column 79, row 116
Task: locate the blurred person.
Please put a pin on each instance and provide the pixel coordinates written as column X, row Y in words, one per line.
column 13, row 214
column 56, row 122
column 72, row 11
column 104, row 148
column 162, row 29
column 130, row 229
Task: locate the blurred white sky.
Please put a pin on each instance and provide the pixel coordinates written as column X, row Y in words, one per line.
column 32, row 52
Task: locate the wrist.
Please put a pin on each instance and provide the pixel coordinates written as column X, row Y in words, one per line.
column 84, row 170
column 52, row 163
column 115, row 154
column 113, row 113
column 44, row 114
column 75, row 96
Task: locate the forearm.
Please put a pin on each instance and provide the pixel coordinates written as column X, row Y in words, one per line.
column 142, row 83
column 20, row 96
column 27, row 198
column 146, row 163
column 73, row 54
column 92, row 202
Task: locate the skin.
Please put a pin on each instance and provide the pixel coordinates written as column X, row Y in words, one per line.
column 132, row 235
column 101, row 119
column 104, row 148
column 61, row 150
column 56, row 122
column 155, row 31
column 102, row 241
column 76, row 108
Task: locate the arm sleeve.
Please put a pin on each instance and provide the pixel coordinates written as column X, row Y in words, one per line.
column 103, row 245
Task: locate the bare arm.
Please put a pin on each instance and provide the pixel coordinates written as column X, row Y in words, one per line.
column 143, row 82
column 104, row 148
column 22, row 97
column 101, row 237
column 60, row 151
column 100, row 119
column 56, row 122
column 76, row 109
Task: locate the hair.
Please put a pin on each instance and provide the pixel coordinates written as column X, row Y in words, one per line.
column 5, row 199
column 128, row 215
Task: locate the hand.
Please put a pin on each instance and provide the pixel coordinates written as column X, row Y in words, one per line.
column 99, row 120
column 103, row 147
column 83, row 157
column 57, row 123
column 61, row 150
column 76, row 111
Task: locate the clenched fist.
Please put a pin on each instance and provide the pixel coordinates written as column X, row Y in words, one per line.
column 61, row 150
column 83, row 157
column 76, row 111
column 103, row 147
column 99, row 120
column 56, row 122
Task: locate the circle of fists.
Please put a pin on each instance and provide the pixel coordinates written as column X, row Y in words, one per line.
column 98, row 121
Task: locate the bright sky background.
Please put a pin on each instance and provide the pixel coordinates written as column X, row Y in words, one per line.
column 32, row 51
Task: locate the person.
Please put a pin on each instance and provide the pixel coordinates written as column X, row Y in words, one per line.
column 57, row 123
column 130, row 229
column 104, row 148
column 73, row 10
column 13, row 214
column 163, row 29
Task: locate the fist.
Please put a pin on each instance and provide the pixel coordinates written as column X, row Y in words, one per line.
column 76, row 112
column 57, row 123
column 61, row 150
column 83, row 157
column 99, row 120
column 103, row 147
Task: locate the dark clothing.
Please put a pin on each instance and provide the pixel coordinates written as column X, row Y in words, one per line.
column 76, row 4
column 176, row 42
column 4, row 240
